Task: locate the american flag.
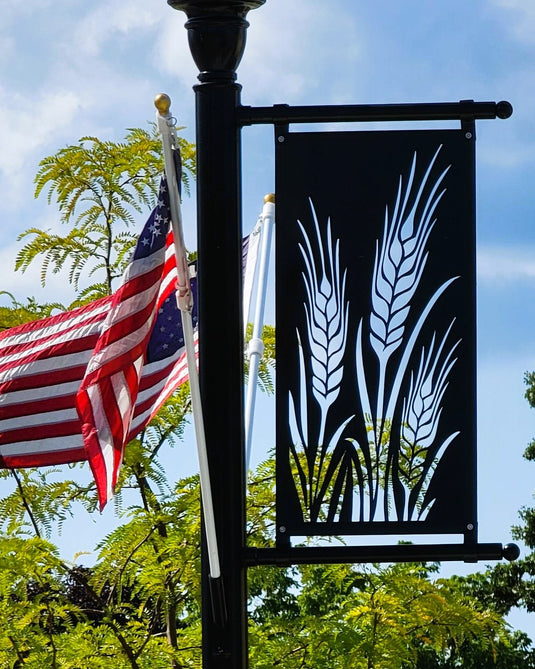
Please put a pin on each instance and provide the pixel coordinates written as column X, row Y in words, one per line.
column 41, row 367
column 81, row 384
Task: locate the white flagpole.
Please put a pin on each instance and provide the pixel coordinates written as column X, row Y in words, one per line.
column 166, row 126
column 251, row 263
column 256, row 345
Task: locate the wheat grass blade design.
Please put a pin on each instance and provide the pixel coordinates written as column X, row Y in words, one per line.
column 400, row 261
column 426, row 503
column 421, row 413
column 402, row 368
column 298, row 423
column 326, row 314
column 368, row 454
column 411, row 343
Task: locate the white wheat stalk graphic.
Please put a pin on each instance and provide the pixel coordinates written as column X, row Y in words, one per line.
column 400, row 261
column 326, row 332
column 326, row 316
column 420, row 419
column 298, row 423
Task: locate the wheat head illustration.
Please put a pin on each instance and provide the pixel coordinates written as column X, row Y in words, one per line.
column 326, row 312
column 421, row 413
column 400, row 259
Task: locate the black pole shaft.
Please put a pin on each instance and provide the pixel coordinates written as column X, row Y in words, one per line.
column 216, row 34
column 220, row 358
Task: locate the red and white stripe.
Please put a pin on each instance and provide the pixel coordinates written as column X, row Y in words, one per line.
column 43, row 364
column 107, row 397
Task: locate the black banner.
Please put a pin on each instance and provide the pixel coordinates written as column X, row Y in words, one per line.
column 375, row 314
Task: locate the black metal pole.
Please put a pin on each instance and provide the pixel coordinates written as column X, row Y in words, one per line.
column 216, row 34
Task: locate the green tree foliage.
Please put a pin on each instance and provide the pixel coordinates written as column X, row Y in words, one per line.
column 356, row 616
column 526, row 531
column 508, row 585
column 18, row 313
column 313, row 616
column 515, row 653
column 99, row 187
column 115, row 614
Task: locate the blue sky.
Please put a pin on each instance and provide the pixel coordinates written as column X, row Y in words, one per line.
column 70, row 68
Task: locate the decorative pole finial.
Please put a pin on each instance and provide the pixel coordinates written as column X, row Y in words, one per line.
column 162, row 102
column 216, row 34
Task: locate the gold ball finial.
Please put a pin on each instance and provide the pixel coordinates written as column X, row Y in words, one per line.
column 270, row 197
column 162, row 102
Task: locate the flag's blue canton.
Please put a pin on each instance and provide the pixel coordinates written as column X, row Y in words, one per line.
column 167, row 335
column 154, row 233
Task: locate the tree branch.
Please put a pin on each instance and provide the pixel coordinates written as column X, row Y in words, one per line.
column 171, row 608
column 26, row 503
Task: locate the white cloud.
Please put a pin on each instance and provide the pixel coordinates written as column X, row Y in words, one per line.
column 171, row 51
column 26, row 125
column 505, row 264
column 292, row 48
column 114, row 18
column 108, row 59
column 77, row 86
column 521, row 14
column 7, row 44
